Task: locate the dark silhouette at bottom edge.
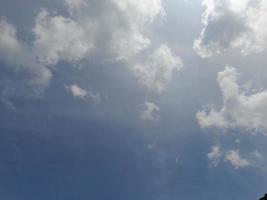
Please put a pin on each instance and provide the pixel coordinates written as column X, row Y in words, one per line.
column 264, row 198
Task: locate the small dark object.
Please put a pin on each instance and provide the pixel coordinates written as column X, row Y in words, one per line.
column 264, row 198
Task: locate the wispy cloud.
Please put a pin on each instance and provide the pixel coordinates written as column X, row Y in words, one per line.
column 150, row 112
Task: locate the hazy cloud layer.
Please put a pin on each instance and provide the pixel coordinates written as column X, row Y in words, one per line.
column 231, row 24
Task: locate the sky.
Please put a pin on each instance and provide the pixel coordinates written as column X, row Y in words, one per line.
column 133, row 99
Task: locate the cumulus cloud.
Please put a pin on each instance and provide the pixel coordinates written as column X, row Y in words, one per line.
column 77, row 91
column 234, row 158
column 75, row 4
column 128, row 44
column 123, row 41
column 149, row 112
column 118, row 28
column 140, row 11
column 158, row 69
column 20, row 61
column 9, row 44
column 241, row 108
column 231, row 24
column 218, row 155
column 58, row 38
column 81, row 93
column 98, row 31
column 215, row 155
column 126, row 39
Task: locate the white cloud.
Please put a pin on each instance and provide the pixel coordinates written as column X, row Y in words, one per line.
column 240, row 109
column 75, row 4
column 58, row 38
column 118, row 26
column 128, row 44
column 77, row 91
column 140, row 11
column 215, row 155
column 117, row 32
column 150, row 112
column 81, row 93
column 9, row 44
column 130, row 39
column 158, row 69
column 21, row 60
column 234, row 158
column 230, row 24
column 218, row 155
column 126, row 39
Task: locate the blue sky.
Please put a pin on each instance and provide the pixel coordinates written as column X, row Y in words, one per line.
column 133, row 99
